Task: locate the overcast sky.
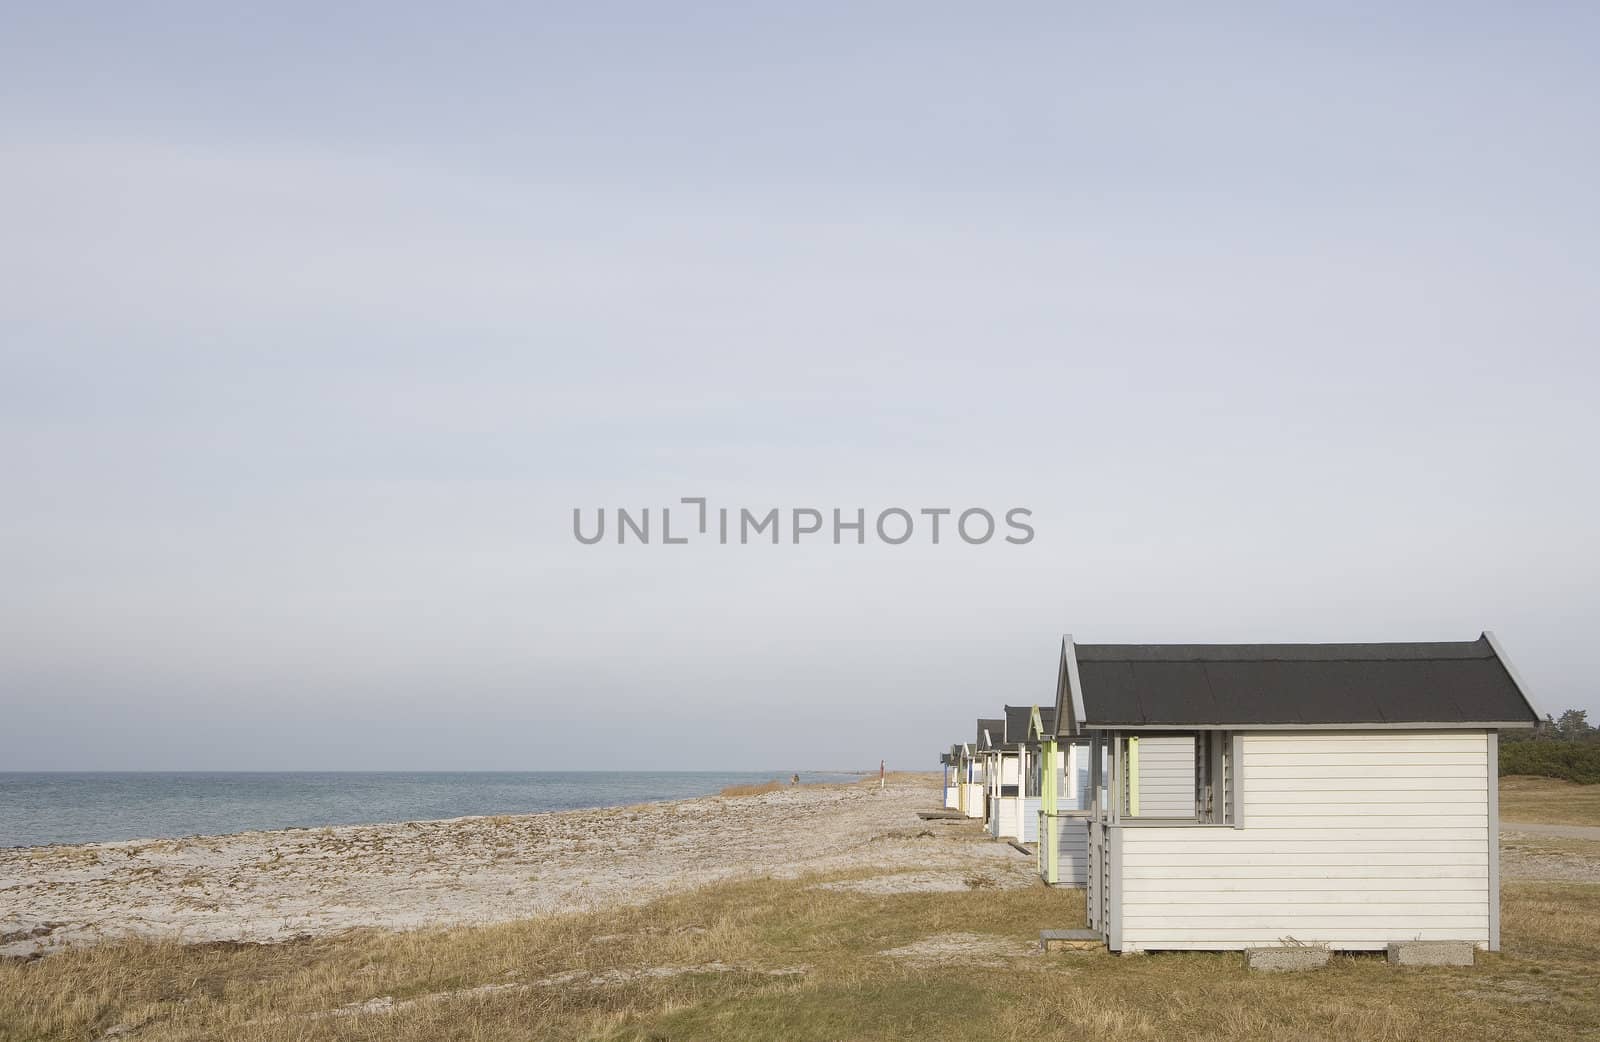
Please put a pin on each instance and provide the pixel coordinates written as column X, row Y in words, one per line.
column 316, row 325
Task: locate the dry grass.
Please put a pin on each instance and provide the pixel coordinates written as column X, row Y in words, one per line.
column 769, row 960
column 893, row 778
column 753, row 790
column 896, row 777
column 1548, row 801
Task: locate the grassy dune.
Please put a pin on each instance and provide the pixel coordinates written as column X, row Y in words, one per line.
column 1548, row 801
column 782, row 960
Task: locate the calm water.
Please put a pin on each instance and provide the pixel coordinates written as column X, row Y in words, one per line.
column 62, row 807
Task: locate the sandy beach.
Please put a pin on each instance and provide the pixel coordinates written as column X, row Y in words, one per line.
column 270, row 886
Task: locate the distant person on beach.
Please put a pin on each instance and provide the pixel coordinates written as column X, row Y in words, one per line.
column 794, row 779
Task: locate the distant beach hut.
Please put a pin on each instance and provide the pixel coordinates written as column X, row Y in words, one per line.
column 1015, row 789
column 950, row 761
column 1062, row 773
column 1002, row 774
column 967, row 788
column 981, row 768
column 1035, row 723
column 1343, row 795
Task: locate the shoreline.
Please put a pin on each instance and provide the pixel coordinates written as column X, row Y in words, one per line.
column 397, row 822
column 267, row 814
column 274, row 885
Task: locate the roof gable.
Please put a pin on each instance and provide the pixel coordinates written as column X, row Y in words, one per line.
column 1069, row 692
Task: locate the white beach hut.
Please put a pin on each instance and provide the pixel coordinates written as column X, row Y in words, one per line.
column 990, row 742
column 1017, row 788
column 1003, row 790
column 1343, row 794
column 950, row 763
column 971, row 782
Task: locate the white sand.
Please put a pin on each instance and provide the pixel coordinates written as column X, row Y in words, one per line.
column 267, row 886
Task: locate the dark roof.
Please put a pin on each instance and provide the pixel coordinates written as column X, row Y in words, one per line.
column 1186, row 685
column 996, row 732
column 1019, row 717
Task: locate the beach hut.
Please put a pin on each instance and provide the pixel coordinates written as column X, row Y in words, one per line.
column 950, row 762
column 1343, row 794
column 987, row 748
column 968, row 791
column 1004, row 788
column 1061, row 775
column 970, row 770
column 1016, row 789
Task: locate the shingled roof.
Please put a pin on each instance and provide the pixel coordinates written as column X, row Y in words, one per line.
column 1456, row 684
column 991, row 733
column 1018, row 718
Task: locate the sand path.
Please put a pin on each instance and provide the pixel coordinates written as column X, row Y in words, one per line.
column 1562, row 831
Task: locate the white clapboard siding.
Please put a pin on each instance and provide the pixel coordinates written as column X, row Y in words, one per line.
column 1166, row 777
column 1179, row 890
column 1006, row 815
column 1029, row 825
column 1399, row 772
column 1406, row 821
column 1339, row 832
column 1351, row 840
column 1245, row 939
column 1330, row 842
column 1072, row 851
column 1318, row 758
column 1348, row 855
column 1315, row 869
column 1332, row 790
column 1432, row 743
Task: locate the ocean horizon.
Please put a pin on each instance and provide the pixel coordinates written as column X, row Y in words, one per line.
column 38, row 808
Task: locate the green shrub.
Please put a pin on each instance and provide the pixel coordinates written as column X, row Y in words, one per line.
column 1570, row 761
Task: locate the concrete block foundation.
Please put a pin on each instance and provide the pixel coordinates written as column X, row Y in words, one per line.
column 1285, row 960
column 1431, row 953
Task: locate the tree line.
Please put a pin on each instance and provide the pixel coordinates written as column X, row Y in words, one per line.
column 1566, row 747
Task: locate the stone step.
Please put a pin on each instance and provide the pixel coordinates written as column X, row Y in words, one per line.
column 1071, row 941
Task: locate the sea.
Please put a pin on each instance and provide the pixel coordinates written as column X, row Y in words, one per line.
column 68, row 807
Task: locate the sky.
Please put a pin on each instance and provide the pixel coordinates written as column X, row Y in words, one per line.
column 318, row 322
